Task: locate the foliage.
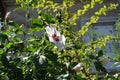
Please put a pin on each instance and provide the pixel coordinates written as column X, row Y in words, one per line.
column 26, row 56
column 117, row 40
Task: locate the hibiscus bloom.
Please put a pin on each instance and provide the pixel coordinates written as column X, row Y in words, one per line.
column 55, row 37
column 78, row 67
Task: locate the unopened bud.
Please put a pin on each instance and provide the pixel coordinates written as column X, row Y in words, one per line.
column 78, row 67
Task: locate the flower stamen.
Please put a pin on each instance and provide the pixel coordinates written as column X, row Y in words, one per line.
column 57, row 38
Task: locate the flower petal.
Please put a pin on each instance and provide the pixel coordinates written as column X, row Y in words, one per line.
column 58, row 33
column 51, row 39
column 59, row 45
column 63, row 39
column 48, row 30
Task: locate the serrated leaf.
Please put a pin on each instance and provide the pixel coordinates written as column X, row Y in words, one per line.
column 19, row 31
column 16, row 39
column 44, row 16
column 37, row 22
column 9, row 45
column 51, row 20
column 35, row 29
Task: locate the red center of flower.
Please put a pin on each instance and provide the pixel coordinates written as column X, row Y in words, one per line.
column 54, row 35
column 57, row 38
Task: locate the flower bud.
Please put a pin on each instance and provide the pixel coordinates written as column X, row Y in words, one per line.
column 78, row 67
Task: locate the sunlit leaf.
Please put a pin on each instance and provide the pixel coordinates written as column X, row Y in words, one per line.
column 9, row 45
column 1, row 51
column 37, row 22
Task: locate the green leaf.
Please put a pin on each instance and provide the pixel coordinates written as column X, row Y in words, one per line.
column 44, row 16
column 48, row 18
column 9, row 45
column 16, row 39
column 19, row 31
column 35, row 29
column 1, row 51
column 37, row 22
column 51, row 20
column 100, row 53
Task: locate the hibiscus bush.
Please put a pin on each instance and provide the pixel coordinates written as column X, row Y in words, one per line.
column 51, row 49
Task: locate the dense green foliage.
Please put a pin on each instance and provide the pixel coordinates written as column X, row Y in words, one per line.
column 27, row 56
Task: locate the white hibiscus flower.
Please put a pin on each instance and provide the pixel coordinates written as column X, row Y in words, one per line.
column 55, row 37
